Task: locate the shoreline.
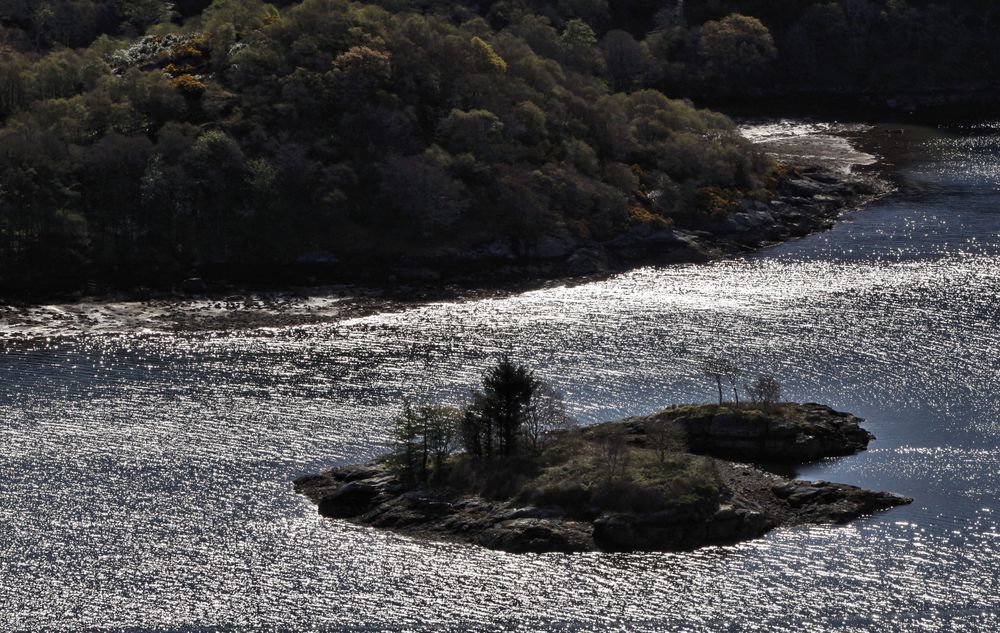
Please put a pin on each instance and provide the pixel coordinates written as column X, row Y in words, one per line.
column 933, row 106
column 810, row 200
column 749, row 502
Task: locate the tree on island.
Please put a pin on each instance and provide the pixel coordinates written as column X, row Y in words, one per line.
column 496, row 416
column 662, row 438
column 613, row 453
column 546, row 413
column 733, row 376
column 424, row 435
column 764, row 390
column 506, row 419
column 719, row 369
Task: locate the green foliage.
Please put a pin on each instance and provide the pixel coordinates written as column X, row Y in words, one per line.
column 486, row 57
column 424, row 438
column 362, row 129
column 737, row 50
column 624, row 59
column 573, row 475
column 855, row 46
column 142, row 14
column 244, row 16
column 494, row 421
column 475, row 131
column 30, row 24
column 582, row 156
column 13, row 90
column 527, row 124
column 578, row 47
column 400, row 127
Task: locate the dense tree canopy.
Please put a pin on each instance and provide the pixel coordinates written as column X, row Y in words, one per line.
column 141, row 141
column 825, row 46
column 252, row 135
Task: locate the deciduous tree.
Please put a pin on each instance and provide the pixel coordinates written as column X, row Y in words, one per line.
column 736, row 51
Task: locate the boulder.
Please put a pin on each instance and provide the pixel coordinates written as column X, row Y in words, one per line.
column 532, row 512
column 496, row 249
column 408, row 512
column 349, row 500
column 194, row 285
column 586, row 261
column 803, row 187
column 557, row 245
column 825, row 502
column 679, row 529
column 537, row 535
column 740, row 426
column 733, row 524
column 355, row 472
column 615, row 532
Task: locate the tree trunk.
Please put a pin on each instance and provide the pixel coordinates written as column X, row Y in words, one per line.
column 718, row 382
column 423, row 469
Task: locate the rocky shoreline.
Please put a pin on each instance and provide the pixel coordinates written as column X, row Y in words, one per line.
column 750, row 501
column 808, row 200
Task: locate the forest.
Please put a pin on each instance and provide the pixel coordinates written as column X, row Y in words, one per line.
column 144, row 142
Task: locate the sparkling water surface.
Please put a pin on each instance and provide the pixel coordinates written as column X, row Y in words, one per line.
column 145, row 479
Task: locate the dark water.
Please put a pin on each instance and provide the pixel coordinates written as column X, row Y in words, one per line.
column 145, row 479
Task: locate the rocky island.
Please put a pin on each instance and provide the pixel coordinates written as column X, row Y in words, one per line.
column 680, row 479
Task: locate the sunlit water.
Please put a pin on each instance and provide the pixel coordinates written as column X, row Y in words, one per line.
column 145, row 479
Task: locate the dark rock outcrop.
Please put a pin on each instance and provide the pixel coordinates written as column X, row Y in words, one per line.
column 791, row 433
column 349, row 500
column 680, row 530
column 522, row 536
column 825, row 502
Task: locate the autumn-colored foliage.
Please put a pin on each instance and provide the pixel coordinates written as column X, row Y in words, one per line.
column 188, row 85
column 178, row 69
column 488, row 57
column 356, row 129
column 641, row 215
column 182, row 51
column 716, row 201
column 363, row 63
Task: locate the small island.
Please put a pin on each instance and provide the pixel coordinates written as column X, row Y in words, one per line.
column 528, row 480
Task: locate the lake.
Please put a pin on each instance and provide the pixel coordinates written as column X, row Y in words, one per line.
column 145, row 475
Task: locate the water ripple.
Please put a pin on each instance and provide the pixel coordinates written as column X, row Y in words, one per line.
column 145, row 478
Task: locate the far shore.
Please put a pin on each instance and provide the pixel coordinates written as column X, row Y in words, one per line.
column 810, row 201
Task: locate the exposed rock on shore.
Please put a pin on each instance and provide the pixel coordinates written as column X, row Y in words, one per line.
column 805, row 202
column 808, row 200
column 749, row 501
